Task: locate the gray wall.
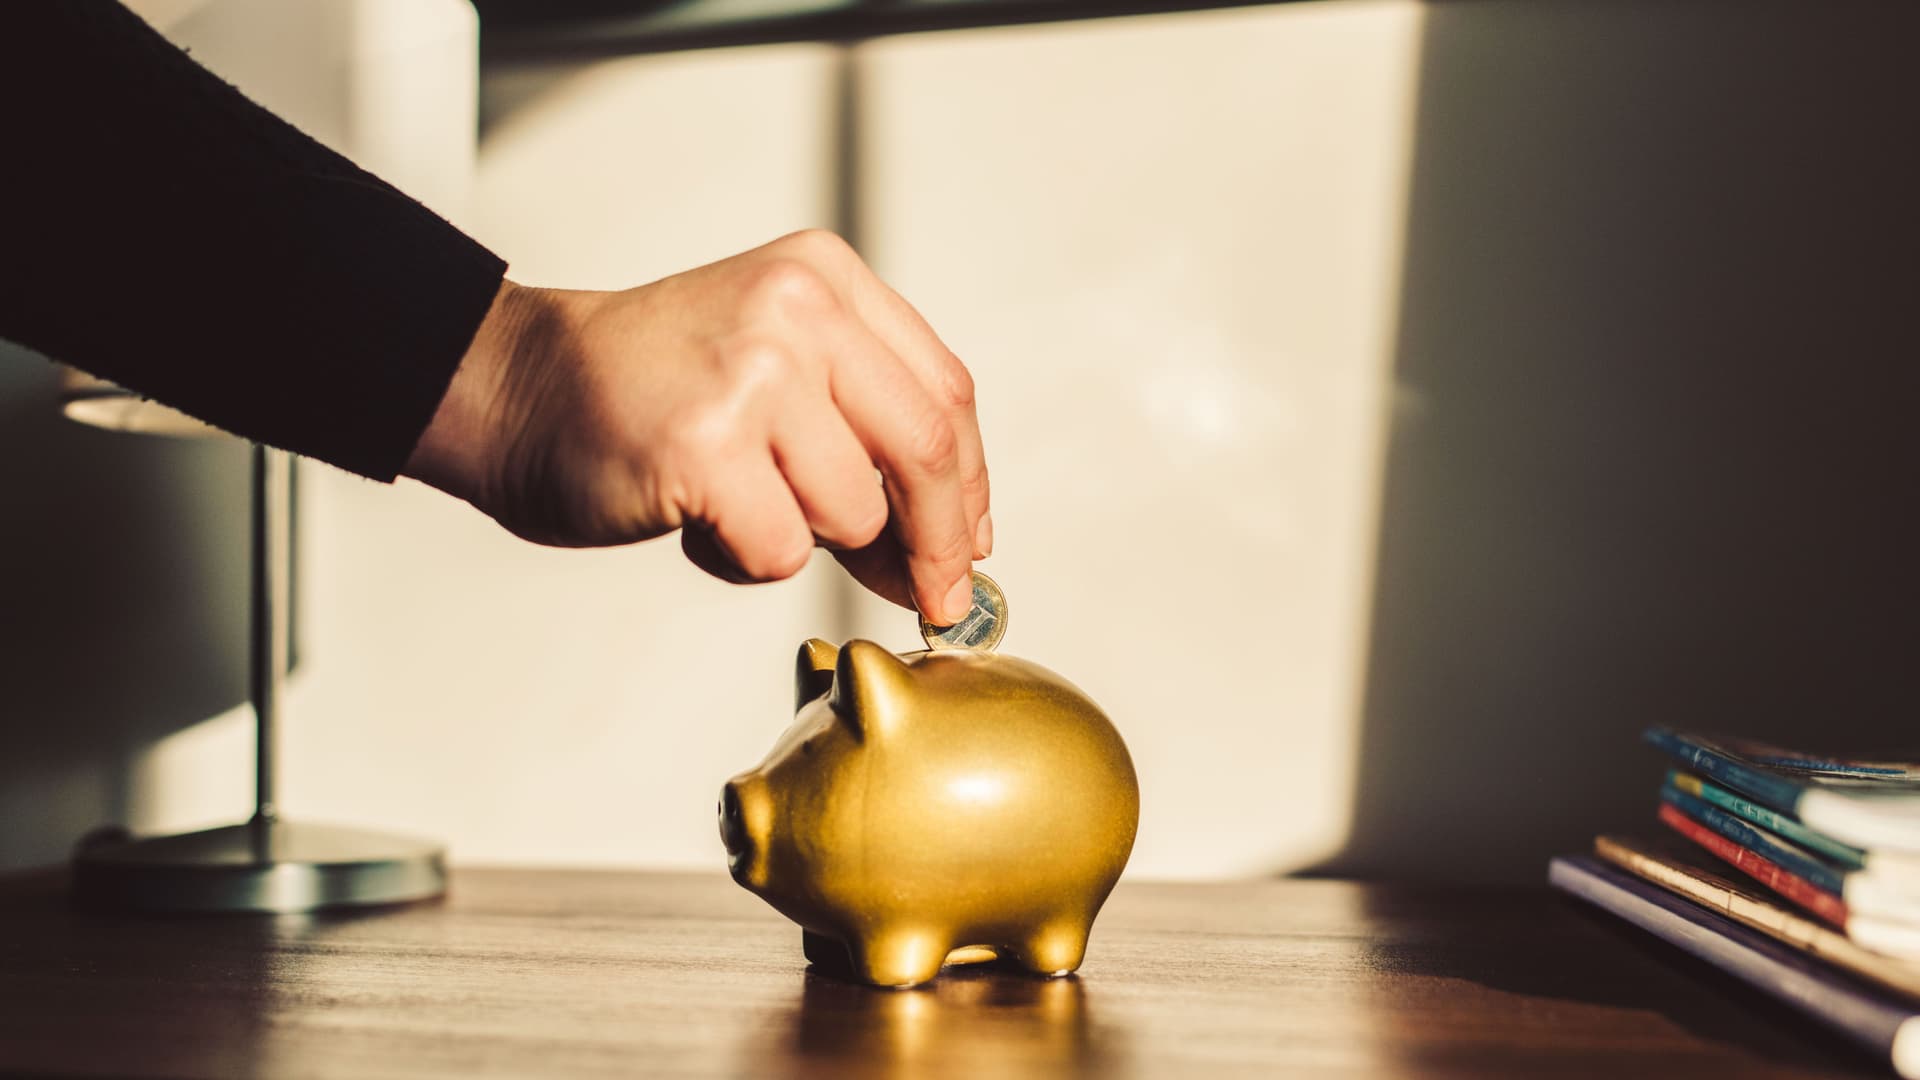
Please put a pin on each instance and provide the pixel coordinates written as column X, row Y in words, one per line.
column 1654, row 461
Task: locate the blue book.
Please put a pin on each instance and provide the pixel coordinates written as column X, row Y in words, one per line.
column 1877, row 897
column 1783, row 853
column 1876, row 1020
column 1870, row 805
column 1771, row 820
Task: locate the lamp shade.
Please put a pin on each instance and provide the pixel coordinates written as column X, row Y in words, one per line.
column 102, row 404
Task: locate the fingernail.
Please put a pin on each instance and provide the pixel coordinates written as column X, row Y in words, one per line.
column 983, row 536
column 959, row 600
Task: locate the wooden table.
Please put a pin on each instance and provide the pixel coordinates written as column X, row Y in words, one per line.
column 548, row 973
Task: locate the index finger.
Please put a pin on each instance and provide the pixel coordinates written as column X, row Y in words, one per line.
column 911, row 440
column 906, row 332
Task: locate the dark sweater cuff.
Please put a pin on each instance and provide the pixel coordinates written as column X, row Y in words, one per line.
column 166, row 233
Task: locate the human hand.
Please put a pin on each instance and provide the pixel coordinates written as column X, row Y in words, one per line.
column 747, row 403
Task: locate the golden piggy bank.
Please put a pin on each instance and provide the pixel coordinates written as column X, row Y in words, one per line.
column 942, row 807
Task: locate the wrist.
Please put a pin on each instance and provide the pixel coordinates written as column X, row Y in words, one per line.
column 455, row 453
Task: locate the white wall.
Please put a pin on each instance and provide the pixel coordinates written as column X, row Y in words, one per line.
column 1642, row 356
column 540, row 705
column 1169, row 250
column 532, row 704
column 1102, row 249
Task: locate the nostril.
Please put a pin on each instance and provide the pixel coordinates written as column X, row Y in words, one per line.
column 733, row 831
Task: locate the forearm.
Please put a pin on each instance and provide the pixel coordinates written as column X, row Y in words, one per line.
column 159, row 230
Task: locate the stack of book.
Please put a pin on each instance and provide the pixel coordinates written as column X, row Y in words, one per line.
column 1826, row 912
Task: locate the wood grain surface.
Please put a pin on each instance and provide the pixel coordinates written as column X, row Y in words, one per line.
column 552, row 973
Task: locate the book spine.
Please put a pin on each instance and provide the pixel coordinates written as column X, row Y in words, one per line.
column 1701, row 891
column 1867, row 1019
column 1851, row 857
column 1759, row 841
column 1797, row 889
column 1770, row 789
column 1786, row 759
column 1775, row 918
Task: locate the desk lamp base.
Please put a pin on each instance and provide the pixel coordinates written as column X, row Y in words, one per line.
column 267, row 864
column 262, row 866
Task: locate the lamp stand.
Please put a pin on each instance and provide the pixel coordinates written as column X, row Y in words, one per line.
column 266, row 864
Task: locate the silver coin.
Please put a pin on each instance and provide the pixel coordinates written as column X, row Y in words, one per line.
column 982, row 629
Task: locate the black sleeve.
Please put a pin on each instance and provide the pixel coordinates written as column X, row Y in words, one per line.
column 160, row 230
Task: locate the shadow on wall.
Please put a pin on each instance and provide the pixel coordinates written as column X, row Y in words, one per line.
column 1657, row 373
column 123, row 564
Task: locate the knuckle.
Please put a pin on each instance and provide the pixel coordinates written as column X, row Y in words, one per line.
column 791, row 286
column 752, row 365
column 933, row 445
column 698, row 435
column 823, row 243
column 973, row 481
column 868, row 527
column 956, row 384
column 777, row 562
column 794, row 561
column 945, row 553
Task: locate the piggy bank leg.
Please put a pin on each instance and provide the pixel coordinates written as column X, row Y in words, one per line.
column 899, row 957
column 826, row 953
column 1054, row 949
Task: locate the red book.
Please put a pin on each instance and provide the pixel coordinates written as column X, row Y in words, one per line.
column 1826, row 905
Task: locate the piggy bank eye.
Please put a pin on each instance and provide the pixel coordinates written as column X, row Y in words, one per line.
column 807, row 747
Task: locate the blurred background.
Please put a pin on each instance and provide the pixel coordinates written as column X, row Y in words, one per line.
column 1393, row 408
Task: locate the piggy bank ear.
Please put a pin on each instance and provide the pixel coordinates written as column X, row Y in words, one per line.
column 871, row 688
column 813, row 671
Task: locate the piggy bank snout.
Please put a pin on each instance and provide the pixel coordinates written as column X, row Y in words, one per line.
column 733, row 824
column 745, row 818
